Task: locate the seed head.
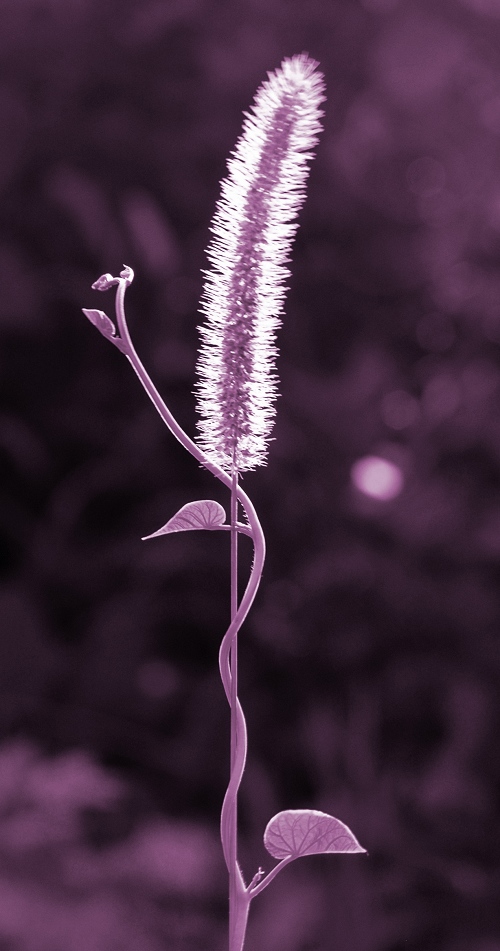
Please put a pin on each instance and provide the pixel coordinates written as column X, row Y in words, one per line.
column 253, row 229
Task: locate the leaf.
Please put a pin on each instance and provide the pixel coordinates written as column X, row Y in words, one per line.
column 104, row 282
column 127, row 274
column 101, row 321
column 205, row 514
column 105, row 325
column 297, row 832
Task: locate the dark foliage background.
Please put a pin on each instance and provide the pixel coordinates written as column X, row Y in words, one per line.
column 370, row 664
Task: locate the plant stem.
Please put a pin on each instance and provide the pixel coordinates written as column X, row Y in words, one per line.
column 234, row 608
column 239, row 895
column 233, row 823
column 240, row 919
column 269, row 877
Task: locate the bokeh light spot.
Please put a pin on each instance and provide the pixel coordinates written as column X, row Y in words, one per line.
column 377, row 477
column 426, row 176
column 435, row 332
column 441, row 397
column 157, row 680
column 399, row 409
column 486, row 7
column 416, row 57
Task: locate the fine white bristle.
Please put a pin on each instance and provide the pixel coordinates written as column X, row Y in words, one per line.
column 253, row 229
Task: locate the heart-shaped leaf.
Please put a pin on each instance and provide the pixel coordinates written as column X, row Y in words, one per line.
column 297, row 832
column 205, row 514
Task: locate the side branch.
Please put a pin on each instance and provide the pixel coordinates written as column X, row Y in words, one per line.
column 269, row 877
column 254, row 528
column 240, row 894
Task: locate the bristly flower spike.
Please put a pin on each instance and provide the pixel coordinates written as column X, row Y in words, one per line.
column 253, row 229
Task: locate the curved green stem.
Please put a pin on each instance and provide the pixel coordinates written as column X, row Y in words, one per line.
column 240, row 896
column 130, row 352
column 256, row 889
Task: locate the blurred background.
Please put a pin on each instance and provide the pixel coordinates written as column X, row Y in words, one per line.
column 370, row 664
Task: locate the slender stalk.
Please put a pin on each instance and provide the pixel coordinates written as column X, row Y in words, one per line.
column 234, row 605
column 238, row 931
column 130, row 352
column 239, row 894
column 256, row 889
column 233, row 663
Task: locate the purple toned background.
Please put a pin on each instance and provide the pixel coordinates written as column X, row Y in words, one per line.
column 370, row 664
